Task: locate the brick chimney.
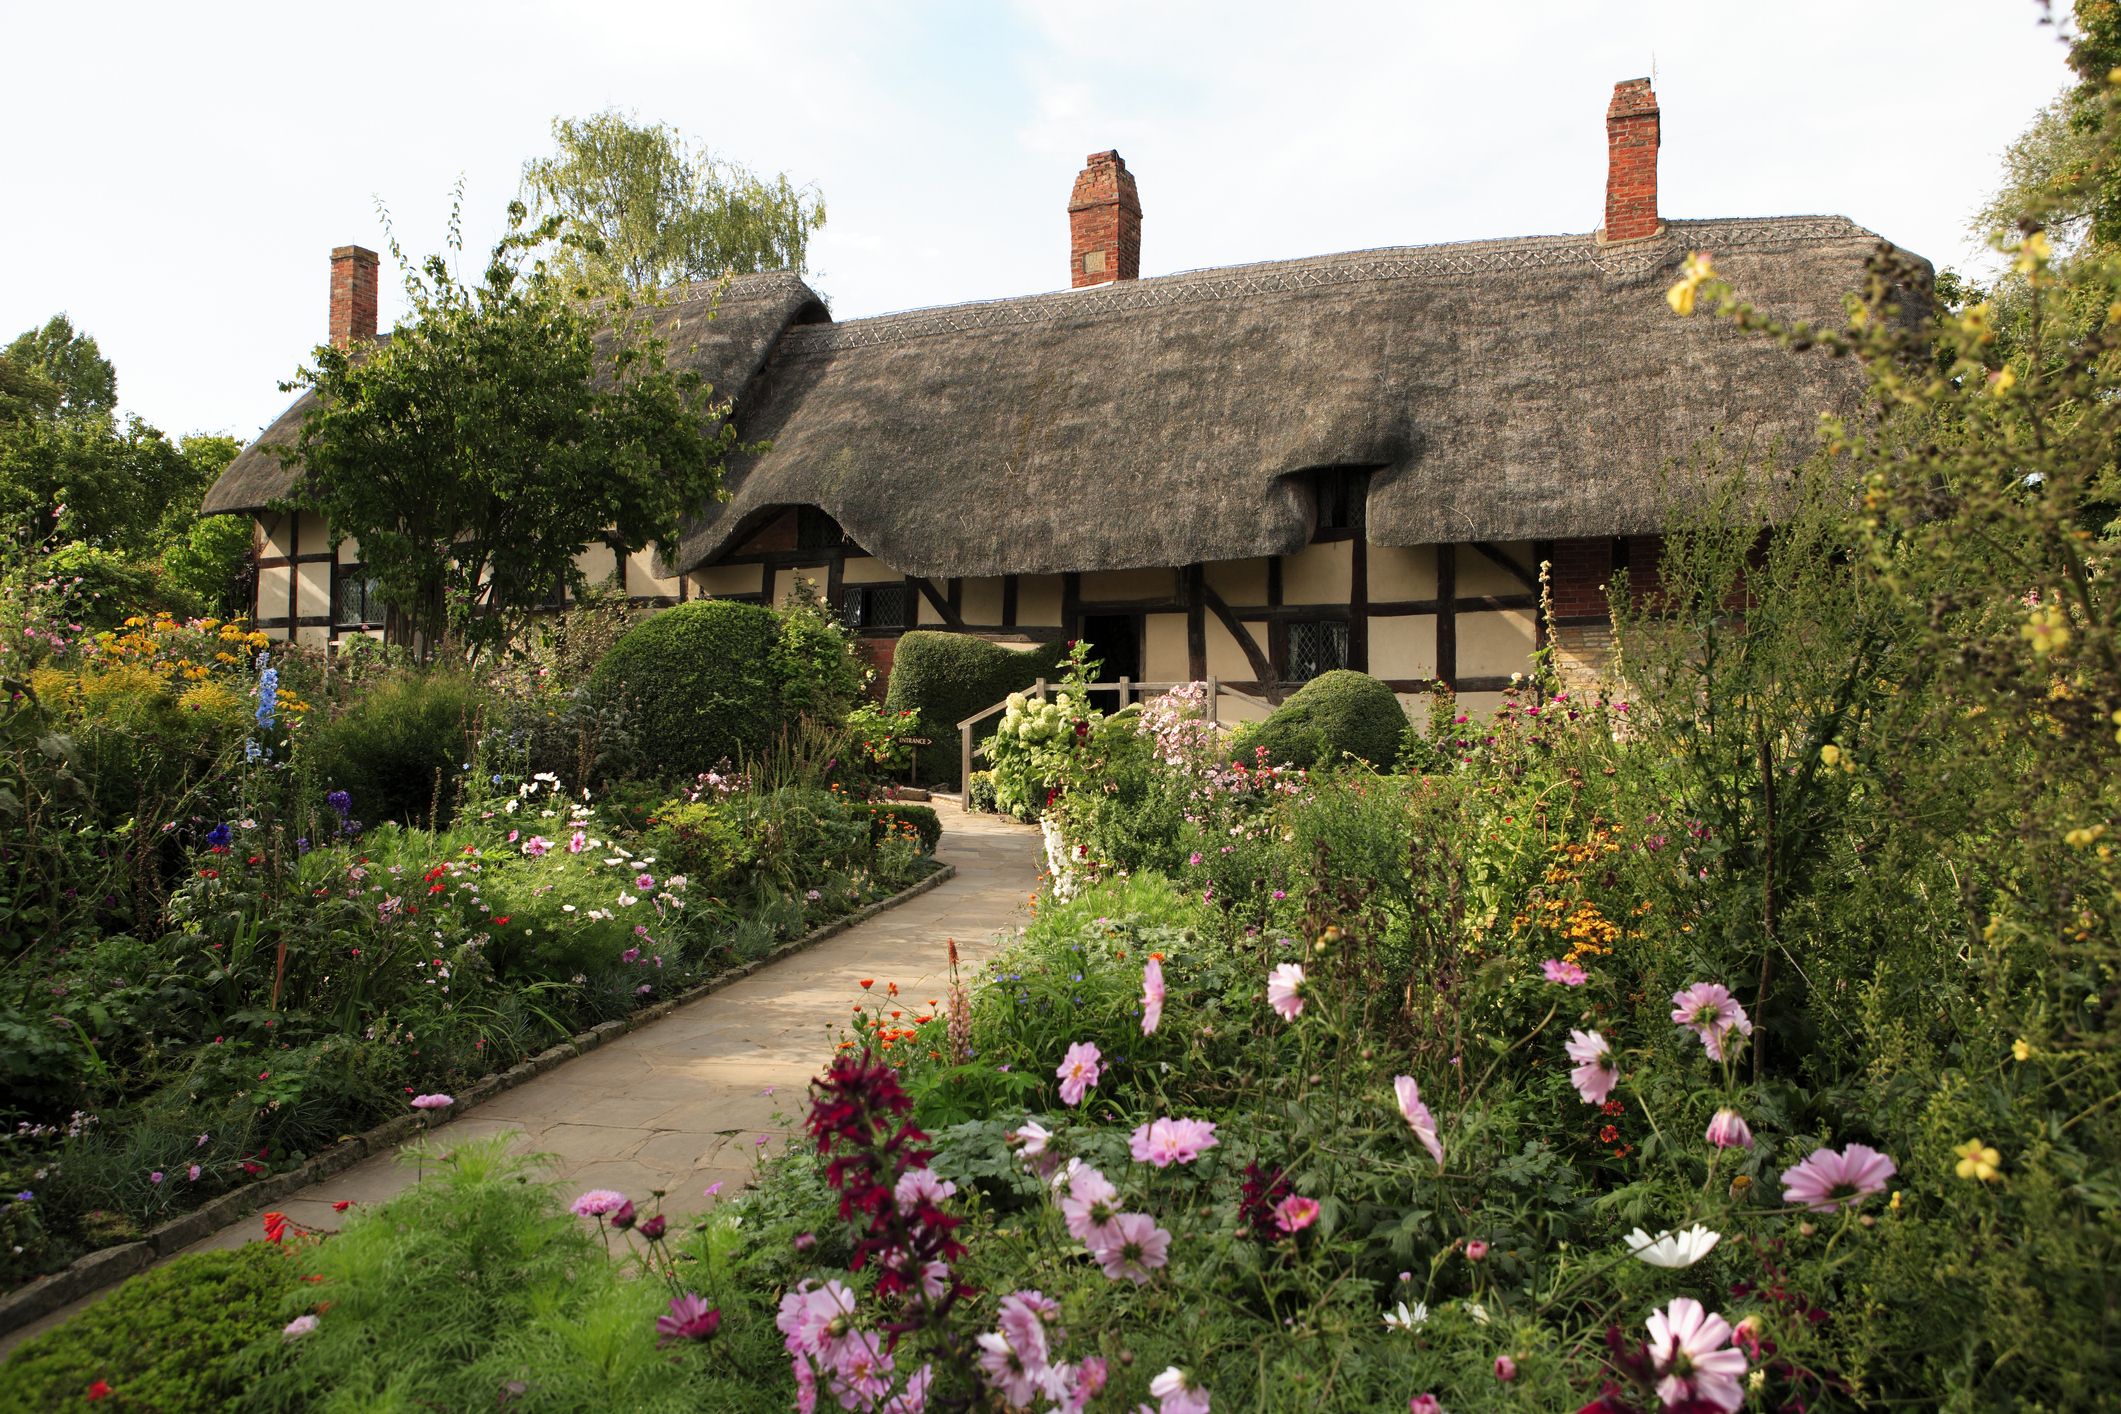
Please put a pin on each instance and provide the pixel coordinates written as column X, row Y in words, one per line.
column 1104, row 223
column 353, row 295
column 1631, row 167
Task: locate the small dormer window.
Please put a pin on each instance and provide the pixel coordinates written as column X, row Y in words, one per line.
column 1341, row 497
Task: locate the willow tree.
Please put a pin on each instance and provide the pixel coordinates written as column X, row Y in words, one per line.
column 499, row 429
column 648, row 210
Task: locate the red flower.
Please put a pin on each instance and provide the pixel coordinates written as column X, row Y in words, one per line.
column 867, row 983
column 275, row 1227
column 500, row 920
column 98, row 1390
column 342, row 1205
column 1608, row 1134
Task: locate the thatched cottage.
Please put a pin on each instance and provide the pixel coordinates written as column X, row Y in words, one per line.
column 1255, row 473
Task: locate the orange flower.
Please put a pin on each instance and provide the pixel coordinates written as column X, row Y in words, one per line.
column 892, row 988
column 867, row 983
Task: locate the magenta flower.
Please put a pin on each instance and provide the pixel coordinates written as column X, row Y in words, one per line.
column 1594, row 1076
column 1417, row 1114
column 1011, row 1371
column 1293, row 1214
column 1476, row 1250
column 1177, row 1394
column 690, row 1318
column 864, row 1370
column 576, row 841
column 155, row 1177
column 1023, row 1319
column 1728, row 1130
column 1090, row 1206
column 536, row 846
column 1425, row 1404
column 1687, row 1347
column 1152, row 996
column 1710, row 1011
column 644, row 882
column 1285, row 990
column 809, row 1315
column 919, row 1187
column 1505, row 1368
column 1078, row 1072
column 433, row 1102
column 1825, row 1180
column 1568, row 974
column 597, row 1202
column 1132, row 1247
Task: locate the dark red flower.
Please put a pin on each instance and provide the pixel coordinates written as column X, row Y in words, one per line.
column 98, row 1390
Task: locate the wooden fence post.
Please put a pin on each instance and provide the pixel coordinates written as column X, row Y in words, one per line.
column 964, row 762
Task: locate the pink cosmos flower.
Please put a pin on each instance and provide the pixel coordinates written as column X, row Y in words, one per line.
column 1417, row 1114
column 1687, row 1348
column 1825, row 1180
column 192, row 1174
column 298, row 1327
column 1594, row 1076
column 1728, row 1130
column 597, row 1202
column 1425, row 1404
column 1293, row 1214
column 805, row 1385
column 1023, row 1319
column 1710, row 1011
column 1476, row 1250
column 690, row 1318
column 1132, row 1247
column 863, row 1368
column 644, row 882
column 1033, row 1136
column 1152, row 996
column 1176, row 1394
column 1285, row 990
column 576, row 841
column 914, row 1398
column 1505, row 1368
column 807, row 1315
column 920, row 1186
column 1164, row 1142
column 433, row 1102
column 536, row 846
column 1568, row 974
column 1078, row 1072
column 1090, row 1207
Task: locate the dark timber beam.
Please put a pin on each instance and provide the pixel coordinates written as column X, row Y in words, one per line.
column 1261, row 668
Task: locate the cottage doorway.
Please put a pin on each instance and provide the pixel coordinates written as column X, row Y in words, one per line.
column 1116, row 641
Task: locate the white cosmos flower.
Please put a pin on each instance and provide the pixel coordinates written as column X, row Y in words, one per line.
column 1400, row 1318
column 1668, row 1249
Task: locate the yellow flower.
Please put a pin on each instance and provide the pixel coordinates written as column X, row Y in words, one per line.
column 2033, row 253
column 2002, row 381
column 1694, row 274
column 1894, row 1202
column 1979, row 1161
column 2046, row 629
column 2021, row 1049
column 2084, row 835
column 1830, row 754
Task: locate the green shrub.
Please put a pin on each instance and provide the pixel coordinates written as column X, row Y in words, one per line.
column 698, row 682
column 980, row 792
column 946, row 677
column 398, row 749
column 98, row 587
column 884, row 814
column 815, row 664
column 168, row 1340
column 1333, row 716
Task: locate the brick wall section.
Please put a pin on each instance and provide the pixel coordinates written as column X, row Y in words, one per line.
column 1631, row 134
column 1578, row 577
column 1104, row 223
column 878, row 653
column 353, row 295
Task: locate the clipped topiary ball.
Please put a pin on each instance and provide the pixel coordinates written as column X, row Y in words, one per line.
column 698, row 684
column 1333, row 716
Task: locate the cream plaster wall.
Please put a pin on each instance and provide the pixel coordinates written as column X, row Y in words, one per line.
column 597, row 563
column 1226, row 657
column 1495, row 643
column 1241, row 583
column 728, row 579
column 642, row 578
column 1318, row 574
column 277, row 535
column 1038, row 600
column 784, row 581
column 1403, row 646
column 272, row 593
column 980, row 601
column 314, row 535
column 1164, row 654
column 312, row 590
column 1129, row 586
column 1477, row 574
column 865, row 569
column 1402, row 572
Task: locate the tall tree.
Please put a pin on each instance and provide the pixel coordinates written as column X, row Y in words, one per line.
column 504, row 426
column 71, row 362
column 651, row 210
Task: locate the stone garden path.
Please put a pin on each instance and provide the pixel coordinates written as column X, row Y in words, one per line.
column 685, row 1101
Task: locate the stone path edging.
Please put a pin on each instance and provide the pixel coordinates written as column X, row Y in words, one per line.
column 105, row 1266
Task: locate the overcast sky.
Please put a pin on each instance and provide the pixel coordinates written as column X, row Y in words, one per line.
column 176, row 174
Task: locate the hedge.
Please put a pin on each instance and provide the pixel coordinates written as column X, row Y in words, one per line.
column 1337, row 714
column 946, row 677
column 881, row 815
column 699, row 684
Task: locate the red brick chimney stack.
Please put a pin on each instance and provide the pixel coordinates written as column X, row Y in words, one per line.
column 1631, row 170
column 1104, row 223
column 353, row 295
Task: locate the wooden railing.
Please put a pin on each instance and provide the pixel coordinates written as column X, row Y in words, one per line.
column 1129, row 690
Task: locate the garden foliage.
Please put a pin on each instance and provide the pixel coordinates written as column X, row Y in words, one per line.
column 1335, row 715
column 946, row 677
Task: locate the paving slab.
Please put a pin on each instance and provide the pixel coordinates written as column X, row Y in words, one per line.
column 684, row 1102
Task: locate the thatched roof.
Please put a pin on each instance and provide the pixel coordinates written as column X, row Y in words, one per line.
column 1516, row 389
column 723, row 334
